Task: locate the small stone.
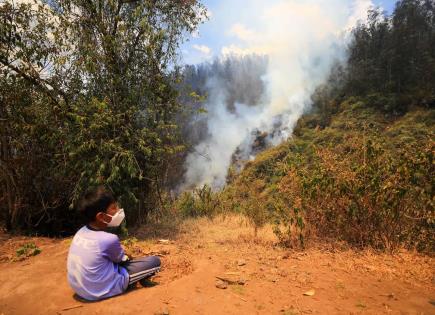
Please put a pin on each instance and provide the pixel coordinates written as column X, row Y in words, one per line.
column 221, row 284
column 241, row 281
column 272, row 279
column 310, row 292
column 241, row 262
column 232, row 279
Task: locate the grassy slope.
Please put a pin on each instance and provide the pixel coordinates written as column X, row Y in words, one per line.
column 365, row 178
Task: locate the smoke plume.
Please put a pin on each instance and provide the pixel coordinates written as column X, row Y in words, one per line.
column 302, row 40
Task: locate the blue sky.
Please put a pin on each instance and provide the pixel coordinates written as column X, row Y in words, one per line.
column 232, row 19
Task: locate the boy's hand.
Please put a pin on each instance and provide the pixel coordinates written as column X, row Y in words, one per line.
column 125, row 258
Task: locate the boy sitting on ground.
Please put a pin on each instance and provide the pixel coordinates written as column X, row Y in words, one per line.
column 97, row 265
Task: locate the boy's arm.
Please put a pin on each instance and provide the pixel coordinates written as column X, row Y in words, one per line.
column 114, row 250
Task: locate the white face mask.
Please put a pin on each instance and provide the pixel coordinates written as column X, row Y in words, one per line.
column 116, row 218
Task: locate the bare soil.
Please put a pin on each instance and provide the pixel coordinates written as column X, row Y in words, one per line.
column 260, row 277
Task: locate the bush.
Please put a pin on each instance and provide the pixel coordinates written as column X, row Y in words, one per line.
column 364, row 180
column 372, row 197
column 387, row 103
column 199, row 202
column 289, row 216
column 253, row 202
column 27, row 250
column 271, row 201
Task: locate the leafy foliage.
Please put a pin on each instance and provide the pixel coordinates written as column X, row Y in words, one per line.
column 88, row 97
column 252, row 202
column 391, row 62
column 27, row 250
column 364, row 179
column 200, row 202
column 370, row 197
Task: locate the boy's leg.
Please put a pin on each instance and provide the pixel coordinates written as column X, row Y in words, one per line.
column 142, row 267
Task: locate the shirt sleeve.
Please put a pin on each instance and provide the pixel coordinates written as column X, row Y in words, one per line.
column 113, row 249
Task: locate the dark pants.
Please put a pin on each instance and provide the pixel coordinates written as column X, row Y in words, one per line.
column 141, row 268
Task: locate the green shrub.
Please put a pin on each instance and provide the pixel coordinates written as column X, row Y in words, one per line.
column 27, row 250
column 253, row 203
column 199, row 202
column 288, row 215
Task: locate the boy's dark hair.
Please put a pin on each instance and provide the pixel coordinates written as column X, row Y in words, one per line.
column 95, row 200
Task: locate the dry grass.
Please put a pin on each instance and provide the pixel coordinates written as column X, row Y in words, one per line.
column 228, row 229
column 234, row 232
column 233, row 236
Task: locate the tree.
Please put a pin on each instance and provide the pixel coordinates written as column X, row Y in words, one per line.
column 99, row 102
column 391, row 59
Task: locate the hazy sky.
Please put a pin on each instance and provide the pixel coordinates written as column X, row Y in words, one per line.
column 233, row 21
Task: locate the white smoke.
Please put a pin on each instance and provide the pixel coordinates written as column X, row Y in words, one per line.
column 302, row 40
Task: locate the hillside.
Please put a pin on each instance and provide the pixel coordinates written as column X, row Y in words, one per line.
column 366, row 178
column 348, row 192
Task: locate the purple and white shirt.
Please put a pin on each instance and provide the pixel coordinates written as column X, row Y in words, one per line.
column 93, row 270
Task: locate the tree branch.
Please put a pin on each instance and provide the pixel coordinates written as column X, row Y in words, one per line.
column 115, row 26
column 41, row 84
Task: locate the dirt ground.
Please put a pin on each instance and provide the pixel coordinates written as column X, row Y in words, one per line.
column 260, row 278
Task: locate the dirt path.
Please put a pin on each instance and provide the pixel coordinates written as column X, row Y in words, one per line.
column 272, row 280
